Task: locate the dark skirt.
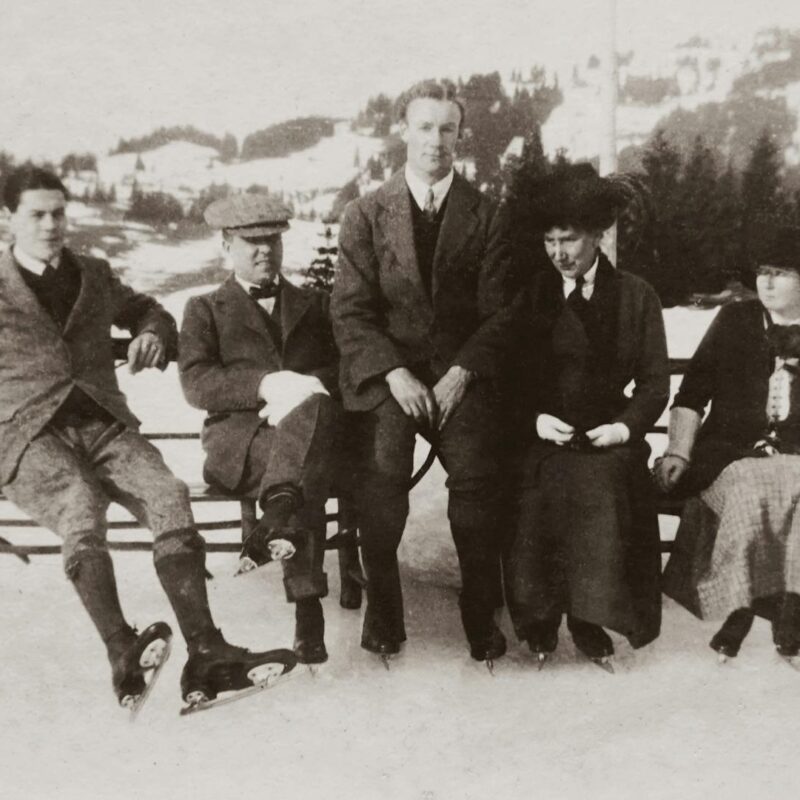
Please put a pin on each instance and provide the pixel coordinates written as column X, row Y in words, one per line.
column 738, row 544
column 586, row 541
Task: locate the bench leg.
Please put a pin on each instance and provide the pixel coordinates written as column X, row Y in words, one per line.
column 351, row 576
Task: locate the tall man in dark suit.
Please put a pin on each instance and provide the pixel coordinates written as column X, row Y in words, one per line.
column 69, row 444
column 419, row 314
column 258, row 354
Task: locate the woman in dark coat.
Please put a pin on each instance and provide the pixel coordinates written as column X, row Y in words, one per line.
column 586, row 541
column 737, row 551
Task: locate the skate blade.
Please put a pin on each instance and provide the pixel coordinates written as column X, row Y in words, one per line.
column 385, row 658
column 490, row 666
column 264, row 676
column 605, row 664
column 541, row 660
column 152, row 661
column 722, row 659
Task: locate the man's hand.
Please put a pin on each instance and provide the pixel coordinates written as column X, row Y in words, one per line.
column 146, row 350
column 413, row 396
column 668, row 470
column 609, row 435
column 450, row 391
column 283, row 391
column 552, row 429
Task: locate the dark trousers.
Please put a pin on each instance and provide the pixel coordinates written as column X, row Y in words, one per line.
column 468, row 448
column 302, row 450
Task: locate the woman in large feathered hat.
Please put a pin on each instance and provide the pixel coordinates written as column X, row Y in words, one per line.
column 586, row 540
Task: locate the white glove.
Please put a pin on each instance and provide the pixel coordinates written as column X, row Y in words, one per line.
column 552, row 429
column 609, row 435
column 283, row 391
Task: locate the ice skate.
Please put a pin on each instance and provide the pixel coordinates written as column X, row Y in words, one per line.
column 309, row 634
column 593, row 642
column 727, row 641
column 385, row 649
column 136, row 664
column 218, row 673
column 489, row 651
column 267, row 544
column 542, row 639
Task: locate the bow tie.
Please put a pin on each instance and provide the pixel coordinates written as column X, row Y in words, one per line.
column 264, row 291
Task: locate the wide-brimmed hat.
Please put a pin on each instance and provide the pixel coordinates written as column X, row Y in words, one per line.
column 575, row 195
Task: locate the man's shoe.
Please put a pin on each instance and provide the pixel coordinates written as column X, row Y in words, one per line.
column 542, row 638
column 381, row 647
column 786, row 628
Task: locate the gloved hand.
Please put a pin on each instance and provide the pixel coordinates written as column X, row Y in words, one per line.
column 552, row 429
column 609, row 435
column 283, row 391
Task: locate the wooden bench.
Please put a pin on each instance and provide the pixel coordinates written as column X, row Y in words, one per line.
column 344, row 538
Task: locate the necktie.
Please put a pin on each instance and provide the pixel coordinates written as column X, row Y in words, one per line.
column 576, row 295
column 265, row 291
column 429, row 209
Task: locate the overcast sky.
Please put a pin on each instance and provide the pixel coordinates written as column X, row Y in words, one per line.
column 78, row 74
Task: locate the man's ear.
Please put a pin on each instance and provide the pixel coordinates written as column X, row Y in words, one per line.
column 404, row 131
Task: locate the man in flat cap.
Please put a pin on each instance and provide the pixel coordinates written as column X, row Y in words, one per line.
column 69, row 444
column 419, row 313
column 258, row 355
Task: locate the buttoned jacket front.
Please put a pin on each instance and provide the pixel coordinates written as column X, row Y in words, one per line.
column 226, row 349
column 384, row 318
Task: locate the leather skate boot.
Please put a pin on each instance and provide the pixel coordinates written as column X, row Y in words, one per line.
column 132, row 656
column 215, row 666
column 728, row 639
column 542, row 638
column 592, row 641
column 309, row 632
column 486, row 640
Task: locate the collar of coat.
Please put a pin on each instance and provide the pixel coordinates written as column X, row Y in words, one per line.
column 234, row 301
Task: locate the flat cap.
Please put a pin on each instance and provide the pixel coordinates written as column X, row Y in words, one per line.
column 248, row 215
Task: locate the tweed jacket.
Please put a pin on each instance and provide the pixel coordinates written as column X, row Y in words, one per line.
column 226, row 349
column 639, row 349
column 383, row 317
column 40, row 363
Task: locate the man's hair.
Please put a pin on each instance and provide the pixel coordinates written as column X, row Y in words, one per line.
column 26, row 178
column 435, row 90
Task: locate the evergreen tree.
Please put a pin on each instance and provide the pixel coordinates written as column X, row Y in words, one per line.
column 321, row 270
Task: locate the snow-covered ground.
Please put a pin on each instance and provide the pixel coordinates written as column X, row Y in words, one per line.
column 669, row 724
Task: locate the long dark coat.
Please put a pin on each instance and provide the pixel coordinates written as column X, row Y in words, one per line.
column 587, row 537
column 40, row 363
column 382, row 315
column 225, row 350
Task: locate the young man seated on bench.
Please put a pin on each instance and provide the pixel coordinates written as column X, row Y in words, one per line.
column 258, row 355
column 69, row 444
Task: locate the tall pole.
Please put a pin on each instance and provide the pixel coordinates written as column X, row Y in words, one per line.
column 608, row 145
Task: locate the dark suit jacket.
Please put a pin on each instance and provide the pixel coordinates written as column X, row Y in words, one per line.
column 382, row 316
column 225, row 350
column 40, row 363
column 639, row 354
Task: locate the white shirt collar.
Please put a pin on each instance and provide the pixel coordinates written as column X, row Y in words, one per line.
column 34, row 265
column 588, row 281
column 419, row 189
